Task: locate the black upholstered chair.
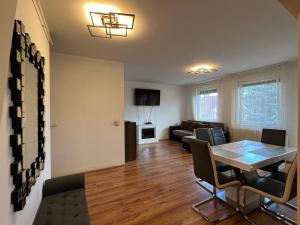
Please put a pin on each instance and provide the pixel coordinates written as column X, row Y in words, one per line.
column 206, row 170
column 279, row 188
column 203, row 134
column 217, row 136
column 273, row 137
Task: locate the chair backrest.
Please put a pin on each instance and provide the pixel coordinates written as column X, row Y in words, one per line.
column 217, row 136
column 203, row 134
column 290, row 190
column 204, row 166
column 273, row 136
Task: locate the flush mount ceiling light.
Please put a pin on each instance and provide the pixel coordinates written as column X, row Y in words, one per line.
column 107, row 25
column 202, row 69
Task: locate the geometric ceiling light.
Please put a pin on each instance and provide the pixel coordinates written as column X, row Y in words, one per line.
column 107, row 25
column 202, row 69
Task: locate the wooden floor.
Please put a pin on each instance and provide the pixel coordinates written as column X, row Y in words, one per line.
column 156, row 189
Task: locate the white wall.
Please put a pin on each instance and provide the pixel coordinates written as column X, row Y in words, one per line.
column 227, row 86
column 25, row 11
column 170, row 111
column 7, row 16
column 87, row 96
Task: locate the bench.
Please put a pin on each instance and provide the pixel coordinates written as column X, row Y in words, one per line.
column 63, row 202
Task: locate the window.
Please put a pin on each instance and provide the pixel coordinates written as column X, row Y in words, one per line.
column 207, row 105
column 260, row 104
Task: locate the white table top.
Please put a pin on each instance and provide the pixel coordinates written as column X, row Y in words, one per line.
column 250, row 155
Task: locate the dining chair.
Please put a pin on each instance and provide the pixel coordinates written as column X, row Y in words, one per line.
column 217, row 136
column 277, row 191
column 206, row 170
column 204, row 134
column 273, row 137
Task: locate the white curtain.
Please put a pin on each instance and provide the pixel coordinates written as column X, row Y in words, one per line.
column 194, row 100
column 208, row 105
column 257, row 105
column 228, row 101
column 205, row 102
column 260, row 104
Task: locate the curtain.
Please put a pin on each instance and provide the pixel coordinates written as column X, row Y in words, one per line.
column 194, row 100
column 257, row 105
column 208, row 105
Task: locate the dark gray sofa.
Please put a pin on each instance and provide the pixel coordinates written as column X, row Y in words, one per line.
column 187, row 128
column 63, row 202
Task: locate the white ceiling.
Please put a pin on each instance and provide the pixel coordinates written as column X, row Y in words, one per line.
column 171, row 35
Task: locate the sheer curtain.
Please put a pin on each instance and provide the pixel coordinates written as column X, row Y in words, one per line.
column 205, row 102
column 194, row 99
column 208, row 105
column 258, row 105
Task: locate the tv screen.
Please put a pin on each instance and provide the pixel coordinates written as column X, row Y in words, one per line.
column 147, row 97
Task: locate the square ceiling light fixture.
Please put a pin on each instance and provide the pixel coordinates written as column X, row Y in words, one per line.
column 107, row 25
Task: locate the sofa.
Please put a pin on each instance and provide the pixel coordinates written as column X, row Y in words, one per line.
column 183, row 132
column 187, row 128
column 63, row 202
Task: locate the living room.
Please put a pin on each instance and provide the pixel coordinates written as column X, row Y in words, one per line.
column 182, row 101
column 212, row 85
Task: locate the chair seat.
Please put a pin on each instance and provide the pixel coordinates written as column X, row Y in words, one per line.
column 273, row 167
column 222, row 167
column 280, row 176
column 223, row 178
column 267, row 185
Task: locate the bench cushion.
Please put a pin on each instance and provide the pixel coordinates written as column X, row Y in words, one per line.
column 68, row 208
column 62, row 184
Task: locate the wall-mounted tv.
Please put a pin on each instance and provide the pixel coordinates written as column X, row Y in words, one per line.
column 147, row 97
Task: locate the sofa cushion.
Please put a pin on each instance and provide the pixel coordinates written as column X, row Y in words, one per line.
column 196, row 125
column 193, row 126
column 183, row 133
column 68, row 208
column 188, row 138
column 185, row 125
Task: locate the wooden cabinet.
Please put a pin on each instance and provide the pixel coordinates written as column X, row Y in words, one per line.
column 130, row 141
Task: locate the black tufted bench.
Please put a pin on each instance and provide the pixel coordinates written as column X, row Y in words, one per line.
column 64, row 202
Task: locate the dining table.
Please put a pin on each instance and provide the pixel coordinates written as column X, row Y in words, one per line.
column 249, row 156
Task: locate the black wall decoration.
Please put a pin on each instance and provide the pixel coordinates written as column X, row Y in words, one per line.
column 24, row 178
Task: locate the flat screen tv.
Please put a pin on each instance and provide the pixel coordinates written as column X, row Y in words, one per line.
column 147, row 97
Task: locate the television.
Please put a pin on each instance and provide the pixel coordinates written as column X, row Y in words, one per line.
column 147, row 97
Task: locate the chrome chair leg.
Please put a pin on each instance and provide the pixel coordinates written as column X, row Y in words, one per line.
column 264, row 207
column 278, row 215
column 212, row 197
column 291, row 206
column 199, row 181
